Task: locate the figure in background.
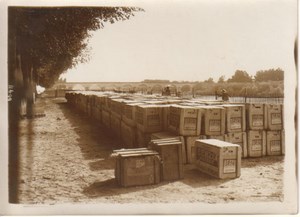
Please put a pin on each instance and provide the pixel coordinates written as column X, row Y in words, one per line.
column 225, row 95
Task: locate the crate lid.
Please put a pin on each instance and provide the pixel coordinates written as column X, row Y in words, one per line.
column 168, row 143
column 138, row 154
column 186, row 106
column 233, row 105
column 165, row 134
column 215, row 142
column 133, row 152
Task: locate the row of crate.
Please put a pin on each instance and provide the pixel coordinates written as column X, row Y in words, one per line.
column 134, row 118
column 183, row 117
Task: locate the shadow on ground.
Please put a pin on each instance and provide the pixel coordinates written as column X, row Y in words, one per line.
column 110, row 187
column 197, row 179
column 263, row 161
column 95, row 141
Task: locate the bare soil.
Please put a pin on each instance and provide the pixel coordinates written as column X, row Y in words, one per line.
column 65, row 158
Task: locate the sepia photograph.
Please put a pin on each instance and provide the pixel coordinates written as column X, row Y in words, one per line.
column 149, row 107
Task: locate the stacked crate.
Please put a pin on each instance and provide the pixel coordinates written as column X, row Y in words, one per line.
column 167, row 136
column 170, row 152
column 98, row 108
column 235, row 122
column 185, row 120
column 149, row 119
column 275, row 130
column 257, row 128
column 256, row 134
column 213, row 120
column 128, row 124
column 116, row 107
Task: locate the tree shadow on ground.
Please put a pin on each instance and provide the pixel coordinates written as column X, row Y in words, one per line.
column 95, row 141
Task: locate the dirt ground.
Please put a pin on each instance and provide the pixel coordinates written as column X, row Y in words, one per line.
column 65, row 158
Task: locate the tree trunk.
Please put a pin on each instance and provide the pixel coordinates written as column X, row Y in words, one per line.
column 15, row 79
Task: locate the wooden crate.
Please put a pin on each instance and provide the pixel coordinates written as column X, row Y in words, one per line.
column 235, row 118
column 275, row 142
column 149, row 118
column 128, row 135
column 115, row 124
column 240, row 139
column 106, row 118
column 142, row 138
column 274, row 116
column 117, row 106
column 169, row 135
column 129, row 113
column 190, row 147
column 218, row 137
column 170, row 152
column 165, row 116
column 217, row 158
column 256, row 143
column 98, row 114
column 255, row 116
column 213, row 120
column 137, row 168
column 185, row 120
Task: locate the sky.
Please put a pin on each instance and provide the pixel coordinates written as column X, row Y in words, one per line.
column 193, row 41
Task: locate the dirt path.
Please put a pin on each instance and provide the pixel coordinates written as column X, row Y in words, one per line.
column 65, row 158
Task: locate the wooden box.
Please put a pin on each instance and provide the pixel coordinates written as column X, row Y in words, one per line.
column 98, row 114
column 274, row 116
column 235, row 118
column 185, row 120
column 170, row 153
column 217, row 158
column 128, row 135
column 115, row 124
column 129, row 113
column 142, row 138
column 218, row 137
column 137, row 168
column 149, row 118
column 240, row 139
column 190, row 147
column 213, row 120
column 275, row 142
column 169, row 135
column 105, row 118
column 255, row 116
column 117, row 106
column 256, row 143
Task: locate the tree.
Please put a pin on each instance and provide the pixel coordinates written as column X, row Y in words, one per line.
column 209, row 80
column 43, row 43
column 240, row 76
column 269, row 75
column 221, row 79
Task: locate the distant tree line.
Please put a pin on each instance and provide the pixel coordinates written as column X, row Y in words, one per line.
column 155, row 81
column 239, row 76
column 261, row 76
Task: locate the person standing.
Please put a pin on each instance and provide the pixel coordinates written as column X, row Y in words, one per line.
column 225, row 95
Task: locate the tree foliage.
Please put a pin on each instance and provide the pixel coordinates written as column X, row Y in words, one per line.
column 209, row 80
column 269, row 75
column 240, row 76
column 221, row 79
column 51, row 40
